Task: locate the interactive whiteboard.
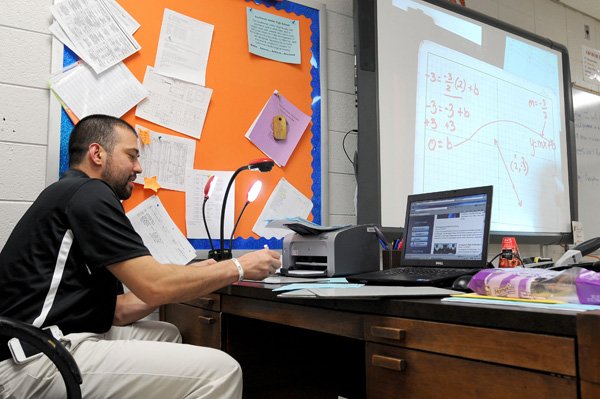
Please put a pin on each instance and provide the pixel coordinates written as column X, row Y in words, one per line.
column 449, row 98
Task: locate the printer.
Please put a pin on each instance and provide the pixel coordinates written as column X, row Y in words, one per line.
column 341, row 252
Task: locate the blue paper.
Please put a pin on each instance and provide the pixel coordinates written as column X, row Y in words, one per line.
column 274, row 37
column 301, row 286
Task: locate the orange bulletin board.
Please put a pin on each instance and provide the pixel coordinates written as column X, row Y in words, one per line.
column 242, row 83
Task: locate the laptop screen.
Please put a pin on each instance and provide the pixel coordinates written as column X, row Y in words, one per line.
column 448, row 228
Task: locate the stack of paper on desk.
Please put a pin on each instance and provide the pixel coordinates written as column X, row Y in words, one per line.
column 518, row 302
column 302, row 226
column 316, row 285
column 279, row 279
column 368, row 291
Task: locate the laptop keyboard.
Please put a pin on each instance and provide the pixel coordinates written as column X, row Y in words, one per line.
column 427, row 271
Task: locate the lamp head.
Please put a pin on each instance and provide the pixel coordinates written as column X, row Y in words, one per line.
column 254, row 191
column 210, row 186
column 262, row 164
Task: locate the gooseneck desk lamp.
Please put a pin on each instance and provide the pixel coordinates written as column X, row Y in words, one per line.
column 250, row 197
column 208, row 190
column 261, row 165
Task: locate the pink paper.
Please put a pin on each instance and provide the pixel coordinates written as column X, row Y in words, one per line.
column 261, row 134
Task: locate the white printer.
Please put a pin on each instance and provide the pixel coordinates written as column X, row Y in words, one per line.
column 348, row 250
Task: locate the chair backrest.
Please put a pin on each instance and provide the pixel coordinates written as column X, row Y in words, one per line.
column 51, row 347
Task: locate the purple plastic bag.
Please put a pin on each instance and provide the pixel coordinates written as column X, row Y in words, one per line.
column 531, row 283
column 588, row 287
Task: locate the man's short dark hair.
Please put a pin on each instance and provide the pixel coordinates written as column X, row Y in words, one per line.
column 94, row 129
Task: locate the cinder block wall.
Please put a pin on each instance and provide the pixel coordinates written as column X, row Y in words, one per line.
column 24, row 102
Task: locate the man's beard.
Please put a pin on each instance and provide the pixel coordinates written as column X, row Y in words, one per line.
column 118, row 182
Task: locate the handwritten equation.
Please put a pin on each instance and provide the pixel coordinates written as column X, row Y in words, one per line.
column 442, row 117
column 454, row 86
column 477, row 124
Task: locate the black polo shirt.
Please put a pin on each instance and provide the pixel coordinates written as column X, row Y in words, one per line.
column 53, row 266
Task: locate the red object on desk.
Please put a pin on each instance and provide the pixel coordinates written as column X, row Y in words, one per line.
column 509, row 256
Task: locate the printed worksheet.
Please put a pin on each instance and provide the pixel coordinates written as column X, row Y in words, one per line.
column 183, row 47
column 60, row 34
column 160, row 235
column 286, row 201
column 113, row 93
column 94, row 32
column 194, row 198
column 174, row 104
column 123, row 17
column 165, row 156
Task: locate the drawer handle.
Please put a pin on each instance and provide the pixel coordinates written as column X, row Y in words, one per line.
column 388, row 332
column 206, row 301
column 388, row 362
column 207, row 320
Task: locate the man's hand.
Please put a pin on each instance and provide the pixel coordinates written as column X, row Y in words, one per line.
column 130, row 308
column 260, row 264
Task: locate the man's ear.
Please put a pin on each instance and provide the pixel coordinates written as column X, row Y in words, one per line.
column 96, row 154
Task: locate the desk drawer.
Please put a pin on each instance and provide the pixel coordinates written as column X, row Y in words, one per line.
column 197, row 326
column 394, row 372
column 532, row 351
column 210, row 302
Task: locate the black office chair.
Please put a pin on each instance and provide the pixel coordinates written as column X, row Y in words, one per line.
column 51, row 347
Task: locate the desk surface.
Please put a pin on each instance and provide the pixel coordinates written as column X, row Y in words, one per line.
column 378, row 348
column 538, row 321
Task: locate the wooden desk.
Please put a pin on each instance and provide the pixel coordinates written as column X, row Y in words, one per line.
column 421, row 348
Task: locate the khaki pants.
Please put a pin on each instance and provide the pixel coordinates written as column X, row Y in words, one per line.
column 143, row 360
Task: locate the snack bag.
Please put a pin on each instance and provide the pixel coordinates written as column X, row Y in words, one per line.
column 527, row 283
column 588, row 287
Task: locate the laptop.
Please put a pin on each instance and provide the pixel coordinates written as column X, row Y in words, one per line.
column 445, row 236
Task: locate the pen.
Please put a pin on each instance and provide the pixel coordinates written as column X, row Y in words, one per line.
column 382, row 240
column 398, row 242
